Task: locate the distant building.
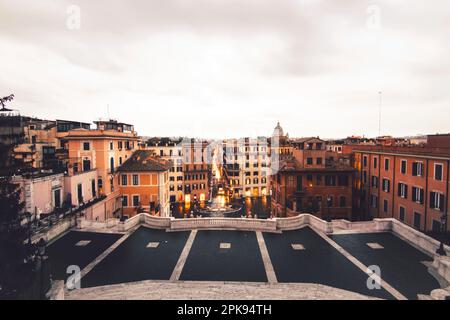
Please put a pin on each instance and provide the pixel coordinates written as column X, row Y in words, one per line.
column 171, row 149
column 196, row 169
column 144, row 184
column 313, row 180
column 246, row 165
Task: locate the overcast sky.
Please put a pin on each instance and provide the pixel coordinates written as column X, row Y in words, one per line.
column 231, row 68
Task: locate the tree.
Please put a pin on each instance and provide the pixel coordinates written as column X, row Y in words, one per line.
column 15, row 272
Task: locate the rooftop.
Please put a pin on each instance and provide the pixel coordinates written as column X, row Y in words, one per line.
column 144, row 160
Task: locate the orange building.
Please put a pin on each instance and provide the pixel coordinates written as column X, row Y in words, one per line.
column 313, row 180
column 410, row 184
column 144, row 184
column 103, row 149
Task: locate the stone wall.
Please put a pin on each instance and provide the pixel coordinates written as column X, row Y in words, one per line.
column 55, row 230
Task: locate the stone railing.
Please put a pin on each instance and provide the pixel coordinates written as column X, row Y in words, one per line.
column 269, row 225
column 55, row 230
column 110, row 223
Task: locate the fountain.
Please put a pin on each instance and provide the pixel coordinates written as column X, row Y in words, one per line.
column 218, row 204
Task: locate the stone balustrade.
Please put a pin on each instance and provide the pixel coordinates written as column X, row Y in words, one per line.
column 269, row 225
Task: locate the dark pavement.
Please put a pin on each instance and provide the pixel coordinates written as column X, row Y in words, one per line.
column 133, row 261
column 242, row 262
column 64, row 252
column 318, row 263
column 400, row 263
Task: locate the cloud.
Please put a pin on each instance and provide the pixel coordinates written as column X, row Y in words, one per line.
column 231, row 68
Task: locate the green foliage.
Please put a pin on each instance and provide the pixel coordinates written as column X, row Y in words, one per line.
column 14, row 272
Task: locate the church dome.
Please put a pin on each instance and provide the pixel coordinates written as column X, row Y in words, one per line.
column 278, row 131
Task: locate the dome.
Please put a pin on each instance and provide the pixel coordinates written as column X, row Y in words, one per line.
column 278, row 131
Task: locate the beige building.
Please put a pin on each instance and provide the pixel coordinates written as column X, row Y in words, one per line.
column 170, row 149
column 41, row 192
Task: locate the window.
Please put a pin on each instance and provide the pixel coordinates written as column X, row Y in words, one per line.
column 385, row 205
column 342, row 201
column 86, row 165
column 417, row 195
column 111, row 145
column 319, row 179
column 436, row 226
column 94, row 192
column 299, row 183
column 438, row 172
column 402, row 212
column 319, row 161
column 403, row 166
column 125, row 201
column 416, row 220
column 111, row 164
column 309, row 161
column 417, row 169
column 375, row 163
column 120, row 145
column 403, row 190
column 330, row 181
column 86, row 146
column 100, row 183
column 135, row 201
column 309, row 177
column 437, row 201
column 386, row 164
column 57, row 197
column 342, row 180
column 120, row 160
column 386, row 185
column 75, row 167
column 329, row 201
column 364, row 176
column 124, row 180
column 365, row 161
column 135, row 179
column 80, row 193
column 374, row 181
column 374, row 201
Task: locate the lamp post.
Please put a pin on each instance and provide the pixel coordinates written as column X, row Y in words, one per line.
column 441, row 251
column 41, row 248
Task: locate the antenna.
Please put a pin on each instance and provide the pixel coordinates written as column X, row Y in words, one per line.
column 380, row 94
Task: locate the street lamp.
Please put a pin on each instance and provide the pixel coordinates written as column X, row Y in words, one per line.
column 41, row 248
column 441, row 251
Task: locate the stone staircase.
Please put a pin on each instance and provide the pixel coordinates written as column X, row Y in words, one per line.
column 207, row 290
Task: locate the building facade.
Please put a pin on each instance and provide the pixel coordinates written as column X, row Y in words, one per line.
column 171, row 149
column 313, row 180
column 410, row 184
column 144, row 184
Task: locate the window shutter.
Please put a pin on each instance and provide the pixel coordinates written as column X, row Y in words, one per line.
column 432, row 199
column 406, row 191
column 399, row 189
column 421, row 196
column 441, row 202
column 414, row 191
column 414, row 169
